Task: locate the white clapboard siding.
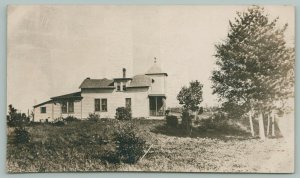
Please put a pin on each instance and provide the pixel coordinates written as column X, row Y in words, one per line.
column 53, row 112
column 41, row 117
column 159, row 84
column 139, row 99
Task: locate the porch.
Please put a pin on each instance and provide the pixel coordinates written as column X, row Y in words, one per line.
column 157, row 105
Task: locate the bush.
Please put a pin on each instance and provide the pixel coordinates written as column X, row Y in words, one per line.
column 123, row 113
column 130, row 147
column 200, row 110
column 172, row 121
column 21, row 135
column 94, row 117
column 58, row 123
column 216, row 121
column 111, row 157
column 71, row 119
column 15, row 119
column 186, row 122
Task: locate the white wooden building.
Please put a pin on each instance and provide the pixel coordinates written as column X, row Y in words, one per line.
column 144, row 94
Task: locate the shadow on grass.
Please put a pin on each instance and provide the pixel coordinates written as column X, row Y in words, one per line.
column 198, row 132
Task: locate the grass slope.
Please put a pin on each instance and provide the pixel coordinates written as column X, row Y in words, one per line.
column 80, row 146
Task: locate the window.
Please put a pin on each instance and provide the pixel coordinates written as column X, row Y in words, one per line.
column 128, row 103
column 43, row 109
column 101, row 105
column 124, row 87
column 64, row 108
column 71, row 107
column 118, row 87
column 97, row 104
column 104, row 105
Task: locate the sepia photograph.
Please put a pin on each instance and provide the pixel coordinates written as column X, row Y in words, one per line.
column 150, row 88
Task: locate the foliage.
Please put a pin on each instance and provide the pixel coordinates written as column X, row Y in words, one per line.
column 191, row 97
column 130, row 146
column 186, row 122
column 255, row 67
column 94, row 117
column 56, row 149
column 234, row 110
column 123, row 113
column 172, row 121
column 15, row 119
column 111, row 157
column 58, row 122
column 216, row 121
column 201, row 110
column 175, row 109
column 21, row 135
column 71, row 119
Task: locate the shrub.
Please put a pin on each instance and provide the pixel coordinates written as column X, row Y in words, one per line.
column 200, row 110
column 111, row 157
column 15, row 119
column 207, row 124
column 58, row 122
column 21, row 135
column 71, row 119
column 186, row 122
column 130, row 147
column 172, row 121
column 216, row 121
column 123, row 113
column 167, row 112
column 94, row 117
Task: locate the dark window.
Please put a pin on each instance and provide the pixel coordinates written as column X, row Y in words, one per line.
column 43, row 110
column 128, row 102
column 97, row 104
column 118, row 87
column 64, row 108
column 124, row 87
column 104, row 105
column 71, row 107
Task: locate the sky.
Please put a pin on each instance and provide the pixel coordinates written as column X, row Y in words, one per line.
column 52, row 49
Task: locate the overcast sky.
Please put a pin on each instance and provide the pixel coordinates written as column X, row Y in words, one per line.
column 52, row 49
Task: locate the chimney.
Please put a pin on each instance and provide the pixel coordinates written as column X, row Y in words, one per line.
column 124, row 73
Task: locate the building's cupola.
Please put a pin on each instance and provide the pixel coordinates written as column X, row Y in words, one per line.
column 155, row 69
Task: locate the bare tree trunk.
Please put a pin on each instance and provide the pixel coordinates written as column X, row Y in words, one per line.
column 268, row 126
column 251, row 123
column 273, row 124
column 261, row 126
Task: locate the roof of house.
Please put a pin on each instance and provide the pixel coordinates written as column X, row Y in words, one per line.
column 140, row 81
column 97, row 83
column 122, row 79
column 155, row 69
column 76, row 95
column 157, row 95
column 41, row 104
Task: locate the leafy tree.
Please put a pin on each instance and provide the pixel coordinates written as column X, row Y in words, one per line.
column 16, row 119
column 255, row 67
column 191, row 98
column 19, row 121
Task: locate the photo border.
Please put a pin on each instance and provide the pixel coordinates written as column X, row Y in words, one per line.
column 3, row 86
